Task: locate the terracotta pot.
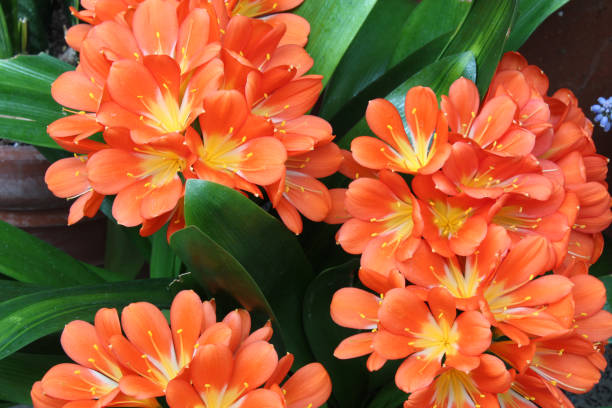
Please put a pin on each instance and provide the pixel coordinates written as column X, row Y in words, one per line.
column 25, row 202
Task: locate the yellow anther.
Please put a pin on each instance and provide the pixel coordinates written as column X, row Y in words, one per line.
column 77, row 173
column 413, row 111
column 157, row 34
column 179, row 331
column 92, row 96
column 77, row 372
column 286, row 107
column 136, row 55
column 249, row 155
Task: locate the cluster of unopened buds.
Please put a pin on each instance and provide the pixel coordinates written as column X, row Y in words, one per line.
column 196, row 361
column 480, row 270
column 183, row 89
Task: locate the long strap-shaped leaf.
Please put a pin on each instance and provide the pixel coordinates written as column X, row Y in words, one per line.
column 261, row 245
column 531, row 13
column 27, row 259
column 484, row 32
column 27, row 318
column 20, row 370
column 394, row 31
column 333, row 24
column 26, row 105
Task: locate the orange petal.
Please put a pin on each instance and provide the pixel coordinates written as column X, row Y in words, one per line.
column 421, row 107
column 265, row 159
column 308, row 195
column 76, row 34
column 355, row 346
column 589, row 294
column 81, row 343
column 355, row 308
column 185, row 320
column 290, row 216
column 493, row 121
column 253, row 366
column 262, row 398
column 161, row 199
column 298, row 28
column 74, row 382
column 370, row 152
column 67, row 177
column 180, row 394
column 139, row 387
column 42, row 400
column 109, row 170
column 292, row 100
column 475, row 333
column 74, row 90
column 401, row 310
column 416, row 372
column 146, row 327
column 384, row 119
column 309, row 385
column 126, row 206
column 212, row 367
column 391, row 346
column 155, row 27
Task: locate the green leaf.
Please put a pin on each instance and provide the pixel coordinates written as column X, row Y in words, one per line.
column 163, row 263
column 28, row 259
column 333, row 25
column 20, row 370
column 371, row 44
column 531, row 13
column 27, row 318
column 430, row 20
column 37, row 13
column 123, row 253
column 349, row 377
column 484, row 32
column 11, row 289
column 355, row 109
column 393, row 54
column 205, row 259
column 262, row 245
column 106, row 275
column 25, row 98
column 389, row 397
column 6, row 49
column 438, row 76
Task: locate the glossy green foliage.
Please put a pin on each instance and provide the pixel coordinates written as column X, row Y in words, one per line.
column 26, row 105
column 531, row 13
column 260, row 245
column 29, row 317
column 333, row 25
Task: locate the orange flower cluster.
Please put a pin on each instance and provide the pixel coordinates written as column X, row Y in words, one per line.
column 502, row 193
column 194, row 362
column 186, row 89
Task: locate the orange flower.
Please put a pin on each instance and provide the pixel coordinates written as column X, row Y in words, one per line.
column 145, row 177
column 423, row 151
column 455, row 388
column 299, row 191
column 452, row 225
column 67, row 178
column 492, row 127
column 427, row 334
column 151, row 100
column 222, row 379
column 358, row 309
column 236, row 149
column 387, row 221
column 98, row 373
column 479, row 174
